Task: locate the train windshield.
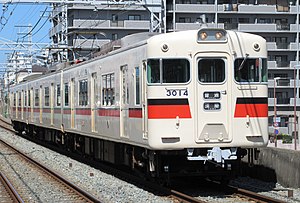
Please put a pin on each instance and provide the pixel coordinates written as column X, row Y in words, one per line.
column 211, row 70
column 168, row 71
column 250, row 70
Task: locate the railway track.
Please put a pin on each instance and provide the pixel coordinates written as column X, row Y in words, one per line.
column 252, row 196
column 177, row 196
column 7, row 192
column 35, row 182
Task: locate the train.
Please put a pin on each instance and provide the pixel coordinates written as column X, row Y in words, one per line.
column 178, row 104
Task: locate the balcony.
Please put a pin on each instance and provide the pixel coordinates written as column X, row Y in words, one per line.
column 284, row 82
column 281, row 64
column 195, row 26
column 282, row 26
column 243, row 8
column 188, row 8
column 106, row 24
column 231, row 26
column 89, row 43
column 259, row 27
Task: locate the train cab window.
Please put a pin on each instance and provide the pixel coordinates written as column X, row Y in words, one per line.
column 211, row 70
column 250, row 70
column 83, row 92
column 168, row 71
column 47, row 96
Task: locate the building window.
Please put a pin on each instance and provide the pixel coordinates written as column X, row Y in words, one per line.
column 47, row 96
column 58, row 97
column 114, row 17
column 108, row 89
column 66, row 94
column 83, row 92
column 134, row 17
column 114, row 36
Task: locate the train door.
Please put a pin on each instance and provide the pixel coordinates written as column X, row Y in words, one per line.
column 72, row 100
column 94, row 91
column 124, row 103
column 144, row 101
column 52, row 103
column 41, row 104
column 212, row 100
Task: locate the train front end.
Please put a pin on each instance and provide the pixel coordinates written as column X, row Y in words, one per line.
column 206, row 97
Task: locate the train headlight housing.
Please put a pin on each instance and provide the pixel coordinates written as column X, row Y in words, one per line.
column 212, row 35
column 212, row 106
column 218, row 35
column 203, row 35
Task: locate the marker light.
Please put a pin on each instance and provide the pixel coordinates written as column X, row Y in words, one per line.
column 207, row 35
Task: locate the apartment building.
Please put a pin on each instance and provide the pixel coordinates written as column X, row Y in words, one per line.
column 79, row 30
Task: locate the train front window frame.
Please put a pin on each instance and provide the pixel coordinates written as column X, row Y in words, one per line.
column 168, row 71
column 250, row 70
column 211, row 70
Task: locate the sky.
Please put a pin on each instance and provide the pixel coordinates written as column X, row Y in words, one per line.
column 15, row 15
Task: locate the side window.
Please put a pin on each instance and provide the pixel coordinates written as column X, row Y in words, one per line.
column 66, row 98
column 47, row 96
column 24, row 98
column 137, row 86
column 83, row 92
column 211, row 70
column 153, row 71
column 58, row 97
column 19, row 98
column 14, row 99
column 108, row 89
column 36, row 97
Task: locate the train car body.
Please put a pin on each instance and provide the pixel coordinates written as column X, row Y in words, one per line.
column 165, row 104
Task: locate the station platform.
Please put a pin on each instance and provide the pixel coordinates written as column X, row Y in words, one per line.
column 280, row 164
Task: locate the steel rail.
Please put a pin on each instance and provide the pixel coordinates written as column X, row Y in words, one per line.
column 55, row 175
column 10, row 188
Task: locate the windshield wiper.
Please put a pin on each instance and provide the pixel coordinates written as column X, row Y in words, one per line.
column 243, row 62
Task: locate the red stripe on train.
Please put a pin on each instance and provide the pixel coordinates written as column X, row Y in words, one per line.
column 168, row 111
column 253, row 110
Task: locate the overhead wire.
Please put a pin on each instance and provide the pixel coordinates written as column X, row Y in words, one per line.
column 36, row 23
column 3, row 18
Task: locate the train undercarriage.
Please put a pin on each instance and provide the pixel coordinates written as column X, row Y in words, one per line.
column 156, row 165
